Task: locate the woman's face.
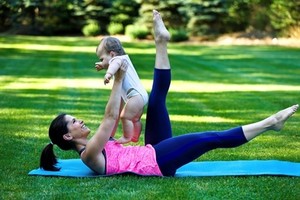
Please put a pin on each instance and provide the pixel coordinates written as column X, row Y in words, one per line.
column 76, row 127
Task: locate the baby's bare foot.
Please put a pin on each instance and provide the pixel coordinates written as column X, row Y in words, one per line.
column 280, row 118
column 136, row 137
column 123, row 140
column 160, row 31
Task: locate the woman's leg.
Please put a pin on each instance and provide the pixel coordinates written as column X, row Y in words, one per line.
column 161, row 36
column 175, row 152
column 274, row 122
column 158, row 126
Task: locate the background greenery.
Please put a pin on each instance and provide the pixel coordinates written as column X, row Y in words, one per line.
column 209, row 18
column 213, row 88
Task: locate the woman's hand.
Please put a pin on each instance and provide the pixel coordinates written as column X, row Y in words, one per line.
column 119, row 75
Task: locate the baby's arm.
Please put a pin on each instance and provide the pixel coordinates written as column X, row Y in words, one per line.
column 113, row 67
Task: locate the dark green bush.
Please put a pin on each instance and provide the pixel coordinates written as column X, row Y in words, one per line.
column 136, row 31
column 178, row 35
column 91, row 29
column 115, row 28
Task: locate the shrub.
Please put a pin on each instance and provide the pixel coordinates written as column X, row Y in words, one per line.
column 115, row 28
column 91, row 29
column 178, row 35
column 136, row 31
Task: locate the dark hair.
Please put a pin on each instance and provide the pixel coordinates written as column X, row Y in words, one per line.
column 113, row 44
column 57, row 129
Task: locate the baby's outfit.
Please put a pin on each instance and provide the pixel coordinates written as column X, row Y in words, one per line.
column 132, row 85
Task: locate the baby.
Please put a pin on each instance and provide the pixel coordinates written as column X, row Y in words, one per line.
column 112, row 55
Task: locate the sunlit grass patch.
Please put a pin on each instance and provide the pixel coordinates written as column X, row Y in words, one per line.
column 188, row 118
column 176, row 86
column 49, row 47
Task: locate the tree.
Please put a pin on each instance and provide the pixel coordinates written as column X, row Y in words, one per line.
column 199, row 17
column 285, row 17
column 205, row 16
column 169, row 9
column 124, row 11
column 19, row 15
column 7, row 9
column 97, row 11
column 58, row 17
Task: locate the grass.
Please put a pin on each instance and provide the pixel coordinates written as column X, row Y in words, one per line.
column 213, row 88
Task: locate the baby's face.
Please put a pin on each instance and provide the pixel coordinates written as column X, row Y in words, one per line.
column 104, row 58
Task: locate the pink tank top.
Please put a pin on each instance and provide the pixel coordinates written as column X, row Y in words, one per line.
column 140, row 160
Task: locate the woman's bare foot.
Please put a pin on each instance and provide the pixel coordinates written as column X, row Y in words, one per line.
column 160, row 31
column 274, row 122
column 280, row 118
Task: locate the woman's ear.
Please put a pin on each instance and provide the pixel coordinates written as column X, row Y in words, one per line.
column 67, row 136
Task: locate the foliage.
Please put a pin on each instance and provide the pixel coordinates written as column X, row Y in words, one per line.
column 205, row 16
column 115, row 28
column 95, row 10
column 178, row 35
column 169, row 9
column 202, row 17
column 137, row 31
column 272, row 16
column 124, row 12
column 91, row 29
column 284, row 15
column 53, row 17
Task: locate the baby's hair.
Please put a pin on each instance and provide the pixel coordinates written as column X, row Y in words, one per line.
column 112, row 44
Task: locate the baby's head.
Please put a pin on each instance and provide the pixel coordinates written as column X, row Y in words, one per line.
column 108, row 44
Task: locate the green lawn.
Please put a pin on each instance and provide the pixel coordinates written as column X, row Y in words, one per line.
column 213, row 88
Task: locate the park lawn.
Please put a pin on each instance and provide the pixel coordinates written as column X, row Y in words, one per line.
column 213, row 88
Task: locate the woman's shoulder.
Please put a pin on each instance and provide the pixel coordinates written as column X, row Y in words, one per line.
column 96, row 163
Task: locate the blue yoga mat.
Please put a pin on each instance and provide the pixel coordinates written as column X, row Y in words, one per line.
column 76, row 168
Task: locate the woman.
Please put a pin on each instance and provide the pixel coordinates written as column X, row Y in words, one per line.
column 162, row 154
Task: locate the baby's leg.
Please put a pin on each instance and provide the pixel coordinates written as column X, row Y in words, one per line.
column 274, row 122
column 130, row 117
column 158, row 126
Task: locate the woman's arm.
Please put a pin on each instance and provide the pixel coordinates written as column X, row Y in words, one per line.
column 91, row 155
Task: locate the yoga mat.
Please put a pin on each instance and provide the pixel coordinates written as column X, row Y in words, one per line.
column 76, row 168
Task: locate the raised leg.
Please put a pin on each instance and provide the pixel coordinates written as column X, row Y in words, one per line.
column 162, row 36
column 158, row 126
column 274, row 122
column 174, row 152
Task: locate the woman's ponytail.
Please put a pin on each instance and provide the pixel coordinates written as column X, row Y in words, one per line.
column 57, row 129
column 48, row 159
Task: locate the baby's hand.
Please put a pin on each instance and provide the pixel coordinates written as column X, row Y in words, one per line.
column 99, row 66
column 107, row 78
column 123, row 140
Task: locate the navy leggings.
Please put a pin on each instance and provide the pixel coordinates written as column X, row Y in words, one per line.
column 174, row 152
